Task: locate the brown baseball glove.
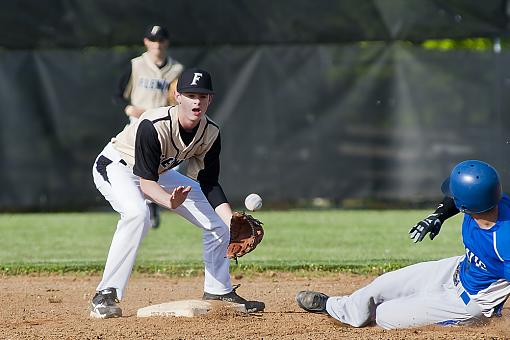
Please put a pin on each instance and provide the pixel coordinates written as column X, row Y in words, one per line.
column 246, row 233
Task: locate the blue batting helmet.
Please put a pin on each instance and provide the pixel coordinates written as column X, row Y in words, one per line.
column 474, row 186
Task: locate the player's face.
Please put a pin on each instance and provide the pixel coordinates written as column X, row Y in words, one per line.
column 156, row 48
column 193, row 105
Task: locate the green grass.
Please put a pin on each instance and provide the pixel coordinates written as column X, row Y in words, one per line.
column 329, row 240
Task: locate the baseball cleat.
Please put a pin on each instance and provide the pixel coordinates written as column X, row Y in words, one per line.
column 314, row 302
column 104, row 305
column 251, row 306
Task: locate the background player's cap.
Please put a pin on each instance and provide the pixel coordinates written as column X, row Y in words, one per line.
column 195, row 80
column 156, row 33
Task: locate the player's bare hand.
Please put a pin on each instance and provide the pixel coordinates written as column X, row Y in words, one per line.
column 134, row 111
column 178, row 196
column 430, row 225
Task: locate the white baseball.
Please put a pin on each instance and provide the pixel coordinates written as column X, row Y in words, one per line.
column 253, row 202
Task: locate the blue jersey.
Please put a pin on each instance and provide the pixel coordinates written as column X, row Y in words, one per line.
column 485, row 269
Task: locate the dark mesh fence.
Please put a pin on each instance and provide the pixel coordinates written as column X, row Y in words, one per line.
column 381, row 121
column 106, row 23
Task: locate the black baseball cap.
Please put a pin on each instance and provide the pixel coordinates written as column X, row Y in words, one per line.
column 156, row 33
column 195, row 80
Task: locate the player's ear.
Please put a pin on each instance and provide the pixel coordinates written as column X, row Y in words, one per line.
column 178, row 97
column 211, row 96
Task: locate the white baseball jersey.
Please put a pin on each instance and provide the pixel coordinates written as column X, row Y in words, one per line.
column 148, row 84
column 163, row 124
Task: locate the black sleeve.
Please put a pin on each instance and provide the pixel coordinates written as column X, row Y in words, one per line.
column 446, row 209
column 147, row 151
column 208, row 177
column 118, row 93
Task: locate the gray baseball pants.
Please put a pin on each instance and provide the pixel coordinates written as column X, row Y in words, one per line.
column 417, row 295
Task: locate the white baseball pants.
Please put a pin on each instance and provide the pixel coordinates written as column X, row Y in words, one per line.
column 121, row 188
column 417, row 295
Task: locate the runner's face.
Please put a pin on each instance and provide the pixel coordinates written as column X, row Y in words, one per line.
column 193, row 105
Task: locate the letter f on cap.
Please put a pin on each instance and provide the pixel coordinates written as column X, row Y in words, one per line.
column 196, row 78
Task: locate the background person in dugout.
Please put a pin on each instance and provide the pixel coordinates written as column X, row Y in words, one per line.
column 456, row 290
column 149, row 82
column 139, row 162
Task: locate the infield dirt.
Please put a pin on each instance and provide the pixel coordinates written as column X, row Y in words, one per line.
column 56, row 307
